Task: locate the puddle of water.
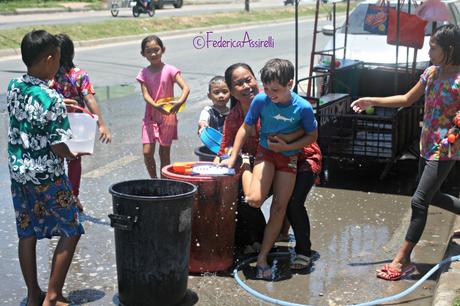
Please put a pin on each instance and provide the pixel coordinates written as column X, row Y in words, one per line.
column 106, row 93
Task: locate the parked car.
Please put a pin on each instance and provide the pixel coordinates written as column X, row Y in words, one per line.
column 160, row 3
column 373, row 48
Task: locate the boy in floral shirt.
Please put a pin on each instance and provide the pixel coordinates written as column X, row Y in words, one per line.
column 42, row 195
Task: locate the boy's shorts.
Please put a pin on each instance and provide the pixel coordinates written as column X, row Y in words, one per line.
column 46, row 210
column 282, row 162
column 162, row 128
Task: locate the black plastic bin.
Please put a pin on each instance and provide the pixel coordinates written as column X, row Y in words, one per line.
column 152, row 222
column 204, row 154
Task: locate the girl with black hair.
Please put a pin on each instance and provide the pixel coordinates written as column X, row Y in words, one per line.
column 440, row 84
column 73, row 83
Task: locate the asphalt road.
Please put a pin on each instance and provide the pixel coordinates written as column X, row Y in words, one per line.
column 357, row 220
column 13, row 21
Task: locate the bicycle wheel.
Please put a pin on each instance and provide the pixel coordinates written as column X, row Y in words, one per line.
column 136, row 11
column 114, row 10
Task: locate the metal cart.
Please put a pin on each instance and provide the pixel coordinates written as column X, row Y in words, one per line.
column 355, row 138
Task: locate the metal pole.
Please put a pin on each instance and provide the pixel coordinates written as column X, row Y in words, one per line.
column 313, row 48
column 296, row 45
column 332, row 66
column 346, row 30
column 397, row 48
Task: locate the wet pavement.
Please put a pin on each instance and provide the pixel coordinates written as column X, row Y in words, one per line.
column 357, row 223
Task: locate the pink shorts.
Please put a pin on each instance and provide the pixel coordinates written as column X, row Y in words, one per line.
column 282, row 162
column 163, row 129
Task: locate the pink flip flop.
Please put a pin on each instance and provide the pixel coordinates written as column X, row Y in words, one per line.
column 391, row 274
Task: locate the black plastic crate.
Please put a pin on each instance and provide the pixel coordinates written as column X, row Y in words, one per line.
column 382, row 136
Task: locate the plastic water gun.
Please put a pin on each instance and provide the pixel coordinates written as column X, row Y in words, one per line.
column 201, row 168
column 454, row 133
column 183, row 167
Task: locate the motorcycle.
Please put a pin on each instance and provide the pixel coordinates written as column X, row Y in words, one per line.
column 143, row 7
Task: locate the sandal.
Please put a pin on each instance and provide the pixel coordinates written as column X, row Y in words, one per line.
column 264, row 272
column 456, row 233
column 391, row 274
column 301, row 262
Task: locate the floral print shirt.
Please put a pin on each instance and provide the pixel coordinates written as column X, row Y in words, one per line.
column 37, row 120
column 73, row 84
column 442, row 101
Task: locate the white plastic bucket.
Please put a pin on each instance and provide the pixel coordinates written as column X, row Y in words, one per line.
column 83, row 126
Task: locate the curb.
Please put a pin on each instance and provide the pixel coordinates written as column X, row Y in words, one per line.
column 448, row 285
column 9, row 52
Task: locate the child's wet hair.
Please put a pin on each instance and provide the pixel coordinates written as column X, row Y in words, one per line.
column 279, row 70
column 37, row 44
column 67, row 51
column 216, row 80
column 229, row 75
column 448, row 38
column 150, row 38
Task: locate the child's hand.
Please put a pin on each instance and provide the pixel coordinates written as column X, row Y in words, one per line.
column 201, row 125
column 276, row 144
column 361, row 104
column 176, row 105
column 278, row 137
column 105, row 136
column 159, row 108
column 76, row 155
column 229, row 162
column 70, row 102
column 216, row 160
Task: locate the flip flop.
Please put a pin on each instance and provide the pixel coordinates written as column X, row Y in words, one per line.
column 301, row 262
column 264, row 272
column 456, row 233
column 391, row 274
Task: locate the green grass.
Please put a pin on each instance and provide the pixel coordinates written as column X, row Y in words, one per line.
column 10, row 38
column 10, row 5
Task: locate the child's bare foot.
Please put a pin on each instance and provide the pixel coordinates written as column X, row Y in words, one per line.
column 36, row 299
column 57, row 301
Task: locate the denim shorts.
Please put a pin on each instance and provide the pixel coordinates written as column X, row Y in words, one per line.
column 46, row 210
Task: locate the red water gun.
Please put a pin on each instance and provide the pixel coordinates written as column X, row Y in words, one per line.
column 183, row 167
column 454, row 133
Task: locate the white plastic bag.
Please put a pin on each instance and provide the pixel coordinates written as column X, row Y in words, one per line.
column 433, row 10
